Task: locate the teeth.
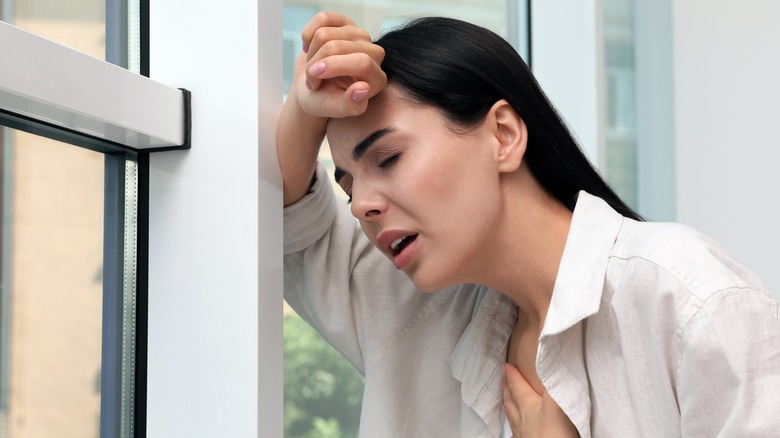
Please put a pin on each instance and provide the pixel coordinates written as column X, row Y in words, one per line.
column 396, row 242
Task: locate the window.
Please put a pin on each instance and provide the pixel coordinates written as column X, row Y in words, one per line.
column 52, row 285
column 54, row 358
column 71, row 291
column 620, row 131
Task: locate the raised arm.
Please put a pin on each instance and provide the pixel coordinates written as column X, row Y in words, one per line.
column 335, row 76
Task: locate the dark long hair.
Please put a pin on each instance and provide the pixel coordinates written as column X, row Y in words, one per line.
column 463, row 69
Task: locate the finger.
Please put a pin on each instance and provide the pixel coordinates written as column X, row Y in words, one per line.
column 300, row 65
column 355, row 99
column 365, row 64
column 360, row 67
column 322, row 19
column 335, row 102
column 511, row 408
column 346, row 47
column 324, row 35
column 522, row 392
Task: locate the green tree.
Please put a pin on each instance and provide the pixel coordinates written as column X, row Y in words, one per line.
column 322, row 391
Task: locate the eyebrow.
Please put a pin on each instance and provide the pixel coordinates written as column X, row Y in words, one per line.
column 366, row 143
column 361, row 148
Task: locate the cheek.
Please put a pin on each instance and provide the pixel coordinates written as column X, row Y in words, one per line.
column 461, row 184
column 369, row 229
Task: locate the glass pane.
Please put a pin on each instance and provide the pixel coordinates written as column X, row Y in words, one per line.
column 620, row 70
column 322, row 391
column 78, row 24
column 67, row 334
column 52, row 288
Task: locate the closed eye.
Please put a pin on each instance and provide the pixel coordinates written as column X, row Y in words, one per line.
column 344, row 180
column 348, row 192
column 389, row 161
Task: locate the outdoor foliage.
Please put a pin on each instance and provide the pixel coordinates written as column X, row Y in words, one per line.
column 322, row 391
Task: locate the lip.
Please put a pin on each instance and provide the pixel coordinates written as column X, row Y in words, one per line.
column 386, row 238
column 403, row 258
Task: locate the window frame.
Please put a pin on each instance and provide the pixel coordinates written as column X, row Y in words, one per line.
column 100, row 106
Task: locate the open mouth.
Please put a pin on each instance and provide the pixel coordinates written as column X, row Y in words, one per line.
column 398, row 245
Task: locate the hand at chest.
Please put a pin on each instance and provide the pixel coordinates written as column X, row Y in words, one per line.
column 523, row 345
column 529, row 409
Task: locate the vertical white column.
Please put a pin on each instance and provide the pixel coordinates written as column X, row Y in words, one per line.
column 567, row 57
column 215, row 280
column 727, row 104
column 270, row 279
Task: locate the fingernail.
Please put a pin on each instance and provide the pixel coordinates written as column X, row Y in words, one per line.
column 317, row 69
column 359, row 95
column 501, row 384
column 308, row 84
column 305, row 48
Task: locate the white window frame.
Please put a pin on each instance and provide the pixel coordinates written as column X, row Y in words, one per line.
column 64, row 88
column 52, row 90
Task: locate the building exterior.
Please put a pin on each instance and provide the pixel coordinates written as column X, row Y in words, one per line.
column 52, row 258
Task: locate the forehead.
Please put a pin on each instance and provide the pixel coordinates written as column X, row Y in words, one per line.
column 380, row 111
column 387, row 109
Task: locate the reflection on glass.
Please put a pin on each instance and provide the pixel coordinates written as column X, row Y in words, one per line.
column 52, row 260
column 78, row 24
column 51, row 255
column 322, row 391
column 620, row 70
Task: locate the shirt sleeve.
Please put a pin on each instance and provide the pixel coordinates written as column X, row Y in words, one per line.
column 338, row 281
column 729, row 375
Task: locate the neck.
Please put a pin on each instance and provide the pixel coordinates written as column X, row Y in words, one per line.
column 522, row 260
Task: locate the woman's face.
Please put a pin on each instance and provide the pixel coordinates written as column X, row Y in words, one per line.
column 427, row 197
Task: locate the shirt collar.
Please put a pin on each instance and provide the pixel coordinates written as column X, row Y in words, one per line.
column 580, row 281
column 481, row 350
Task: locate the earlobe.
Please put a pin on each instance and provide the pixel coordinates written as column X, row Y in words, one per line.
column 511, row 134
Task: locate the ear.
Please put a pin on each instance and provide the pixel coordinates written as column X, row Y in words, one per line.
column 511, row 134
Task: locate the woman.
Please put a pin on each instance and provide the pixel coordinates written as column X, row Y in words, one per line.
column 465, row 182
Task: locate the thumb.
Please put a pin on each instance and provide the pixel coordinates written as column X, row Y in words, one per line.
column 521, row 390
column 332, row 101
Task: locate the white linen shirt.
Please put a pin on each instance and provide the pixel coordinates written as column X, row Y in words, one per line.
column 652, row 331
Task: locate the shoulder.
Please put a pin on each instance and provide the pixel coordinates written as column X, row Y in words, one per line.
column 729, row 365
column 671, row 272
column 681, row 254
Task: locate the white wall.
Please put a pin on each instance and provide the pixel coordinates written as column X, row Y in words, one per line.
column 215, row 280
column 727, row 105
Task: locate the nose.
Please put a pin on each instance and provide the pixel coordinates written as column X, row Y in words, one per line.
column 367, row 204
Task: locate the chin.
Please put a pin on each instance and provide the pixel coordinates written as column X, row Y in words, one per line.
column 429, row 284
